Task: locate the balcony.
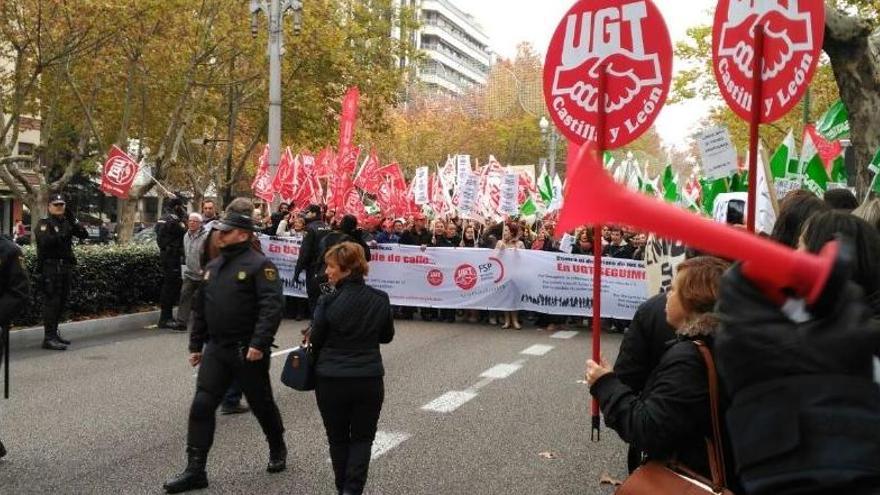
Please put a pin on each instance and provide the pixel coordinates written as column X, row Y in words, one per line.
column 438, row 54
column 439, row 31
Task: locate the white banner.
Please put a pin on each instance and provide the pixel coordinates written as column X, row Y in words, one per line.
column 462, row 169
column 509, row 194
column 470, row 192
column 420, row 186
column 717, row 153
column 505, row 280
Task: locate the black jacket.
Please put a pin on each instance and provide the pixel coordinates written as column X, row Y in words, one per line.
column 412, row 237
column 14, row 282
column 170, row 230
column 671, row 416
column 240, row 301
column 805, row 413
column 308, row 251
column 644, row 343
column 445, row 242
column 624, row 251
column 348, row 326
column 55, row 238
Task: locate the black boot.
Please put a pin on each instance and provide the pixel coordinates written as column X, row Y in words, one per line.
column 61, row 339
column 357, row 467
column 339, row 459
column 277, row 457
column 2, row 450
column 193, row 477
column 54, row 344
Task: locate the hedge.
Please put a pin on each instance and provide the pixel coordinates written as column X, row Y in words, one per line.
column 107, row 280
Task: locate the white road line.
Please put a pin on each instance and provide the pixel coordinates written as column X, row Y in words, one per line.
column 448, row 402
column 537, row 350
column 284, row 352
column 480, row 384
column 501, row 371
column 385, row 441
column 565, row 334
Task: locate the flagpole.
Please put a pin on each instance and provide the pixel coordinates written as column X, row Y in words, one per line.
column 755, row 127
column 597, row 254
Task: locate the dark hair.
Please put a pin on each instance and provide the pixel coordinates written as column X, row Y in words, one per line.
column 242, row 206
column 348, row 224
column 826, row 226
column 797, row 207
column 349, row 256
column 841, row 199
column 699, row 283
column 208, row 201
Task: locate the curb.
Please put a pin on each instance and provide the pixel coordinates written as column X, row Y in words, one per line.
column 33, row 336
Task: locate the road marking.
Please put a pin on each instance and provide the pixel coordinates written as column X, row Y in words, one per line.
column 501, row 371
column 284, row 352
column 480, row 384
column 565, row 334
column 537, row 350
column 385, row 441
column 448, row 402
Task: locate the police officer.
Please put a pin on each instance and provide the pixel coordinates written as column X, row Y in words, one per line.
column 14, row 291
column 170, row 230
column 309, row 254
column 237, row 313
column 55, row 261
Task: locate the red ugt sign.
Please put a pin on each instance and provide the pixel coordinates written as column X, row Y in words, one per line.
column 793, row 35
column 630, row 39
column 118, row 173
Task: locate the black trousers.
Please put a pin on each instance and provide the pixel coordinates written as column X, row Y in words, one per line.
column 350, row 408
column 220, row 366
column 57, row 275
column 171, row 285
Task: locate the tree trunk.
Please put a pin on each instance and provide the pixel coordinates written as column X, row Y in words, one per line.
column 855, row 58
column 126, row 211
column 39, row 209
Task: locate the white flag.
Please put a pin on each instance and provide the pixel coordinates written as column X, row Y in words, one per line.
column 509, row 193
column 468, row 196
column 556, row 204
column 766, row 207
column 420, row 186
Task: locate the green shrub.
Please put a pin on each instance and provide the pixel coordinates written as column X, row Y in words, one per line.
column 107, row 280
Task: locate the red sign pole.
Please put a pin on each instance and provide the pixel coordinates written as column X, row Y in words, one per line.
column 597, row 251
column 755, row 125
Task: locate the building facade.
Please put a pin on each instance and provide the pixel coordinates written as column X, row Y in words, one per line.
column 456, row 50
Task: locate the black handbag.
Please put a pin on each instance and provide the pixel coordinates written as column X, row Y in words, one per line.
column 298, row 372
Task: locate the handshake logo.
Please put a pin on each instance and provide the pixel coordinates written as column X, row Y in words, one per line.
column 787, row 32
column 610, row 37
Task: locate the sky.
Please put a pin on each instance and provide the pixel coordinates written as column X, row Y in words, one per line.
column 510, row 22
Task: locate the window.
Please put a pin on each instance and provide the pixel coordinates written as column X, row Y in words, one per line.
column 25, row 148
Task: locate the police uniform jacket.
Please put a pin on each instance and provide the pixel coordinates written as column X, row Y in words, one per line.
column 308, row 251
column 240, row 301
column 55, row 238
column 14, row 286
column 348, row 327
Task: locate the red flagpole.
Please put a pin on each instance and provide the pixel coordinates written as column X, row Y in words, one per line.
column 597, row 254
column 755, row 125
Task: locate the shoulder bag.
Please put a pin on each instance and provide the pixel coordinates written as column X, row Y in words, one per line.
column 298, row 372
column 672, row 478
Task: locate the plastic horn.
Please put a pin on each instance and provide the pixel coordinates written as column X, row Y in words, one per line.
column 593, row 197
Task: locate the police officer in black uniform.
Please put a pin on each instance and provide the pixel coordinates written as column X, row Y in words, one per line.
column 309, row 253
column 55, row 261
column 14, row 292
column 237, row 312
column 170, row 230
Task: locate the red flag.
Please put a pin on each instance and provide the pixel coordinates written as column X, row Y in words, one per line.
column 283, row 183
column 370, row 177
column 325, row 163
column 354, row 205
column 393, row 172
column 347, row 122
column 118, row 173
column 262, row 184
column 438, row 199
column 527, row 188
column 828, row 150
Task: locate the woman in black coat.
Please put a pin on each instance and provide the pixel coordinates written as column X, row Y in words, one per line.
column 670, row 418
column 350, row 322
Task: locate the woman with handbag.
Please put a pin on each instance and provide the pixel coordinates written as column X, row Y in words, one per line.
column 350, row 322
column 671, row 420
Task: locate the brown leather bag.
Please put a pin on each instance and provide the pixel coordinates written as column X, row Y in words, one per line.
column 672, row 478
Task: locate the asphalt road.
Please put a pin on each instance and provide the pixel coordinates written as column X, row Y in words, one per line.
column 466, row 412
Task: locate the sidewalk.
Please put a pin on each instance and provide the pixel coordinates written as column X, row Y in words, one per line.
column 33, row 336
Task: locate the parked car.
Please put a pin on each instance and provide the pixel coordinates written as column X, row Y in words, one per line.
column 146, row 236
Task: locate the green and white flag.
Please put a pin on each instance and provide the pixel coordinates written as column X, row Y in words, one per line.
column 671, row 192
column 545, row 186
column 608, row 160
column 814, row 176
column 528, row 208
column 834, row 124
column 785, row 161
column 874, row 167
column 739, row 182
column 838, row 171
column 711, row 190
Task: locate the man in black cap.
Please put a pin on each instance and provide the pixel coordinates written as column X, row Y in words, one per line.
column 237, row 313
column 309, row 252
column 14, row 293
column 55, row 261
column 170, row 230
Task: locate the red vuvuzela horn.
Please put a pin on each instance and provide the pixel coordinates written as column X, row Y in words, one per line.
column 592, row 197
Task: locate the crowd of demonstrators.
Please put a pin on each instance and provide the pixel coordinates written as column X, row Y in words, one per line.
column 797, row 389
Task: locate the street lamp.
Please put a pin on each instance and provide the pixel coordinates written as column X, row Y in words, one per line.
column 275, row 10
column 548, row 133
